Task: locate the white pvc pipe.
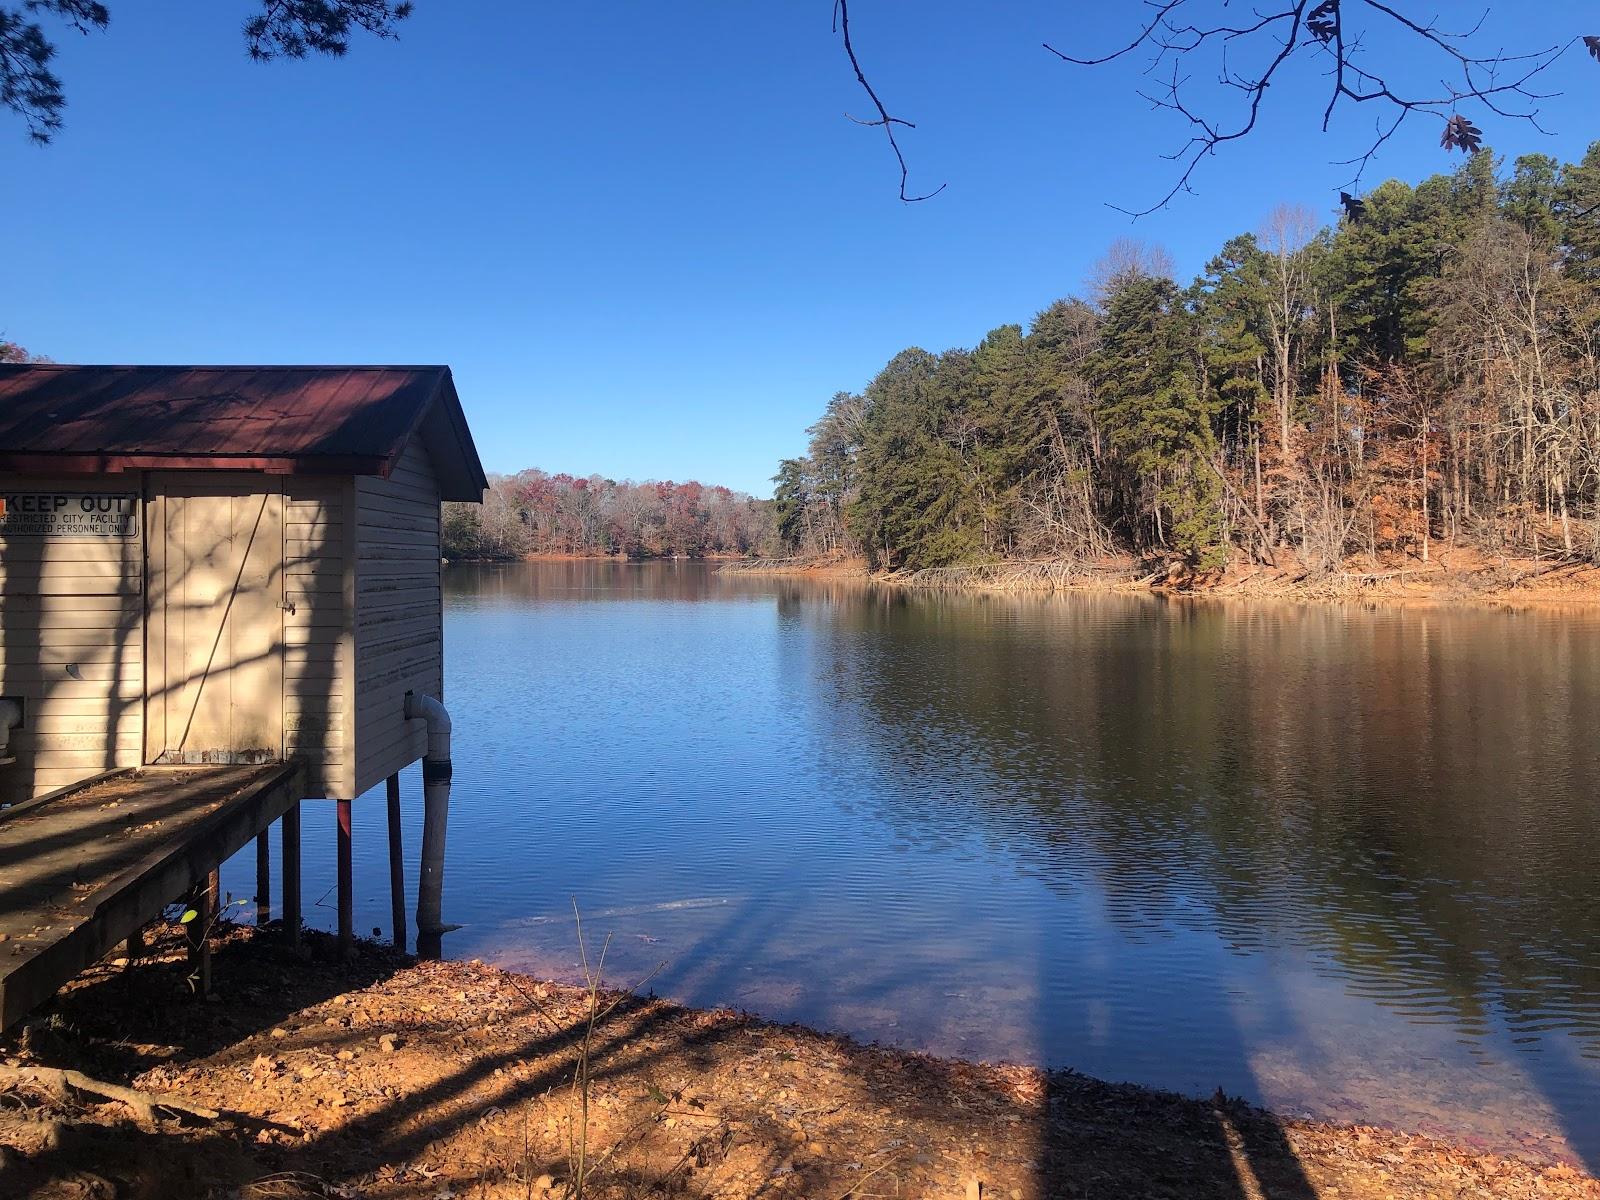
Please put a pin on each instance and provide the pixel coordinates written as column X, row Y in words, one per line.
column 436, row 815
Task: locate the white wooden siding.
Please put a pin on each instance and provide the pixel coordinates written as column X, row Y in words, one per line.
column 214, row 612
column 72, row 646
column 319, row 642
column 362, row 625
column 399, row 638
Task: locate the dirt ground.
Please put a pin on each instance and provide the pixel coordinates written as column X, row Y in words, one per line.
column 386, row 1077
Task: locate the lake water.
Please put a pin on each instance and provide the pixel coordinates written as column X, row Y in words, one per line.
column 1340, row 861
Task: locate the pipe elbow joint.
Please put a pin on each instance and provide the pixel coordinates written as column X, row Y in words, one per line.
column 429, row 709
column 436, row 763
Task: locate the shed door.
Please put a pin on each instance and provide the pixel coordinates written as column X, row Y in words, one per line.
column 216, row 623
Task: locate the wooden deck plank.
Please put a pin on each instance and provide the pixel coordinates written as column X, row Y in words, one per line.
column 91, row 865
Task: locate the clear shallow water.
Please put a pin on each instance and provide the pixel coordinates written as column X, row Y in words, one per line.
column 1342, row 862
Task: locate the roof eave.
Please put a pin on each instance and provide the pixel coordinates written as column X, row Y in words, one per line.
column 460, row 475
column 113, row 464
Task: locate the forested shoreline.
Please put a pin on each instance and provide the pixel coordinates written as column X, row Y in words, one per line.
column 1425, row 373
column 534, row 513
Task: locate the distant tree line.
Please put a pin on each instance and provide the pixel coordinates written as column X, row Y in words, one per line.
column 536, row 513
column 10, row 352
column 1428, row 369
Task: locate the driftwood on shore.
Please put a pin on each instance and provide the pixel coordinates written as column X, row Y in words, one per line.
column 766, row 566
column 1018, row 576
column 1370, row 577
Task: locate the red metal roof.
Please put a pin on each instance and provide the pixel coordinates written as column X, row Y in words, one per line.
column 294, row 420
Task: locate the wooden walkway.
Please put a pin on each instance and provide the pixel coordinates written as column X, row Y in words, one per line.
column 88, row 866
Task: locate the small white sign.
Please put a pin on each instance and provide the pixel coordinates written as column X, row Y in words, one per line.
column 69, row 514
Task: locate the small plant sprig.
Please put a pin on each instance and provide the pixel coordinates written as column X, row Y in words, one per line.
column 189, row 916
column 581, row 1166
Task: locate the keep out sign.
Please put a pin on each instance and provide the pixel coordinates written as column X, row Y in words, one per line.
column 69, row 514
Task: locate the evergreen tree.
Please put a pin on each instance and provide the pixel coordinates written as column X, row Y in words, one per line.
column 1578, row 210
column 1382, row 266
column 1158, row 422
column 913, row 506
column 1530, row 197
column 789, row 500
column 1431, row 368
column 1231, row 301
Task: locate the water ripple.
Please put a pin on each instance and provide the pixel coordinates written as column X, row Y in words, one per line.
column 1334, row 859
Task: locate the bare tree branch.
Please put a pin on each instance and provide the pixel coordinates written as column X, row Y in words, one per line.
column 1500, row 82
column 841, row 25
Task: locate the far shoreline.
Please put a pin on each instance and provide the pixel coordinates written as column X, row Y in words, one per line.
column 1509, row 584
column 555, row 556
column 1512, row 584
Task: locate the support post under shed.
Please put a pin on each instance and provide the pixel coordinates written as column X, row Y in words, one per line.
column 397, row 871
column 291, row 873
column 213, row 911
column 206, row 902
column 347, row 920
column 263, row 879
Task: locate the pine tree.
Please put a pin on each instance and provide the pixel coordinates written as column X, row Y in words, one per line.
column 1231, row 300
column 914, row 506
column 1158, row 422
column 1578, row 210
column 1529, row 198
column 789, row 500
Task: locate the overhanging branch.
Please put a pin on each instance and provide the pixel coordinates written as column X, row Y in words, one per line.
column 841, row 25
column 1323, row 32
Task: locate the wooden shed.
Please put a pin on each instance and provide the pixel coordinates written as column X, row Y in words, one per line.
column 223, row 565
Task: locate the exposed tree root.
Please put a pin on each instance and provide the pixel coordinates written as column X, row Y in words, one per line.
column 64, row 1083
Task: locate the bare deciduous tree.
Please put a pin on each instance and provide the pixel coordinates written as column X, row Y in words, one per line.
column 1384, row 53
column 1285, row 235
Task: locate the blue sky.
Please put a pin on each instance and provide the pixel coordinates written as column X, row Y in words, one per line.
column 643, row 234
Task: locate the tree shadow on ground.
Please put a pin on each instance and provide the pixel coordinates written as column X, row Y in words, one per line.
column 504, row 1052
column 120, row 1018
column 470, row 1102
column 117, row 1022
